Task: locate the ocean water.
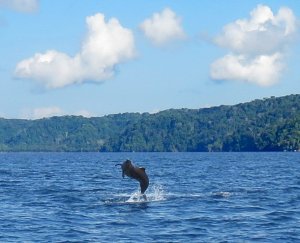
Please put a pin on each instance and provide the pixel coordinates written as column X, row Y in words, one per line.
column 196, row 197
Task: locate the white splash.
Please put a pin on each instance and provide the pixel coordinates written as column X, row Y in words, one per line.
column 137, row 197
column 155, row 193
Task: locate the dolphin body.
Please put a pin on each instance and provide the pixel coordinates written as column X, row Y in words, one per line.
column 137, row 173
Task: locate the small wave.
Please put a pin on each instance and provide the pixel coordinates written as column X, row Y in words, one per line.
column 5, row 172
column 221, row 194
column 157, row 193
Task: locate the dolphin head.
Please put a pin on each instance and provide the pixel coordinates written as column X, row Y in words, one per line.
column 126, row 163
column 126, row 167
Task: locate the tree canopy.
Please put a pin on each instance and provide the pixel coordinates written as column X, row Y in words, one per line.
column 271, row 124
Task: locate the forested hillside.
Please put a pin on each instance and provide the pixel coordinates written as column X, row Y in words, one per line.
column 271, row 124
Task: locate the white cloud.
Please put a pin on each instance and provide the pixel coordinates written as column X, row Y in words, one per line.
column 257, row 46
column 262, row 33
column 21, row 5
column 262, row 70
column 163, row 27
column 106, row 45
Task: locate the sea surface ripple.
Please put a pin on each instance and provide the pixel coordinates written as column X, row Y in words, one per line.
column 199, row 197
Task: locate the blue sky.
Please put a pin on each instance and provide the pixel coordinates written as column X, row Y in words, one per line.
column 98, row 57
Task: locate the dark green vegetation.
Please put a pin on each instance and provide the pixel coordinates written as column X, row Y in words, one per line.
column 262, row 125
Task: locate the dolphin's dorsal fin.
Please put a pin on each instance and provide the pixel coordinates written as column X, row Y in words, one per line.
column 142, row 168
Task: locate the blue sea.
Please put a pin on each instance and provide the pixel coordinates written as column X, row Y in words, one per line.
column 195, row 197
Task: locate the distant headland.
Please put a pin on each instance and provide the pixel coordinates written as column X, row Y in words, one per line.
column 270, row 124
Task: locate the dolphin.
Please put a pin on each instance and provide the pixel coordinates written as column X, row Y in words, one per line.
column 135, row 172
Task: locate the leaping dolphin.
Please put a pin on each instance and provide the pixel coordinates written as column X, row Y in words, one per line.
column 135, row 172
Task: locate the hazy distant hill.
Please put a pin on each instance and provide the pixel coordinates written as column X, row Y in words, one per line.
column 271, row 124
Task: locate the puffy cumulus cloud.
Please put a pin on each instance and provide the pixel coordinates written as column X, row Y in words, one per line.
column 262, row 33
column 163, row 27
column 106, row 45
column 256, row 45
column 263, row 70
column 21, row 5
column 52, row 69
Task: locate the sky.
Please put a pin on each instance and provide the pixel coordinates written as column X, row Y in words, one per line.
column 100, row 57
